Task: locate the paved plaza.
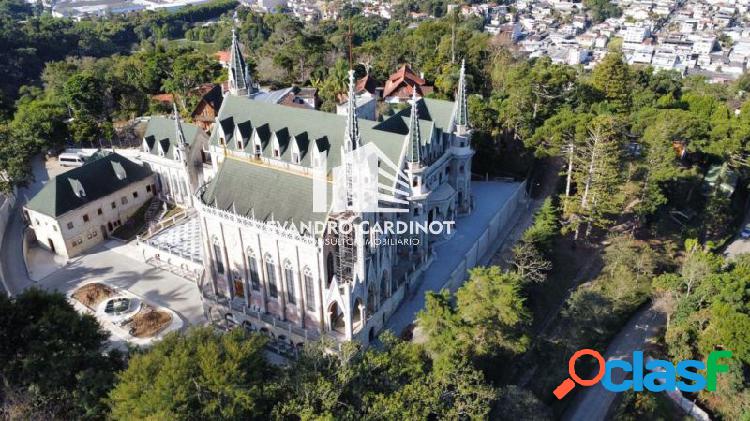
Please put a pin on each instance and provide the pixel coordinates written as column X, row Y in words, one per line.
column 103, row 264
column 489, row 199
column 182, row 239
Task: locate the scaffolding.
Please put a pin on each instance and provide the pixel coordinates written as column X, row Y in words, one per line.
column 346, row 246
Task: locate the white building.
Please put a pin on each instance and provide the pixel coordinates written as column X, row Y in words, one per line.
column 78, row 209
column 267, row 269
column 176, row 152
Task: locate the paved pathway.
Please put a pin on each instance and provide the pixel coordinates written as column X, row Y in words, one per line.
column 593, row 403
column 12, row 267
column 489, row 198
column 159, row 286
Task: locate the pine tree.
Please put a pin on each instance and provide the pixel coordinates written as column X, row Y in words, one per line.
column 612, row 78
column 597, row 177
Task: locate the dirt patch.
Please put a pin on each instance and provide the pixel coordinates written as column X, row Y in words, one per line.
column 92, row 294
column 149, row 322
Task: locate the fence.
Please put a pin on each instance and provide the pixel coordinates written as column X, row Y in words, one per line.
column 495, row 233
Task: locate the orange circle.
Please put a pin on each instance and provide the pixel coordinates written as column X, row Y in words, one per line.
column 572, row 367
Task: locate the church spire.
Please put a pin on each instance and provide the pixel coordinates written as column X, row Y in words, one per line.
column 239, row 79
column 177, row 126
column 352, row 138
column 181, row 141
column 415, row 137
column 461, row 114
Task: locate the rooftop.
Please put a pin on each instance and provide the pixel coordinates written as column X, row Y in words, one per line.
column 85, row 184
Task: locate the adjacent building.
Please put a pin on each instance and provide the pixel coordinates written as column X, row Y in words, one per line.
column 176, row 152
column 81, row 207
column 399, row 86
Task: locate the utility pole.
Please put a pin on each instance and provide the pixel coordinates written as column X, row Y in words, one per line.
column 453, row 36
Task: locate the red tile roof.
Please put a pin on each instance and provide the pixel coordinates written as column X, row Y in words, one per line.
column 404, row 77
column 222, row 57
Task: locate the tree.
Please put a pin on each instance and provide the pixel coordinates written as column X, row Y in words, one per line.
column 199, row 374
column 597, row 176
column 40, row 124
column 189, row 70
column 545, row 226
column 612, row 78
column 486, row 322
column 602, row 10
column 54, row 359
column 394, row 382
column 529, row 263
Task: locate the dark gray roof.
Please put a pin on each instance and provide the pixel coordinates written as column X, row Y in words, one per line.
column 97, row 179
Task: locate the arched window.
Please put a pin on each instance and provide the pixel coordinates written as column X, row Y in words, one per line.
column 218, row 258
column 238, row 285
column 309, row 289
column 383, row 290
column 370, row 300
column 273, row 289
column 289, row 278
column 329, row 267
column 252, row 267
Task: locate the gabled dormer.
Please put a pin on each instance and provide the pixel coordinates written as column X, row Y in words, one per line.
column 238, row 141
column 77, row 188
column 119, row 170
column 163, row 147
column 275, row 146
column 257, row 143
column 296, row 156
column 225, row 131
column 317, row 155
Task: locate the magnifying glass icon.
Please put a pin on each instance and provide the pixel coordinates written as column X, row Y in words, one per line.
column 568, row 384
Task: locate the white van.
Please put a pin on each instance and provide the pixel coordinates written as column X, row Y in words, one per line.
column 70, row 159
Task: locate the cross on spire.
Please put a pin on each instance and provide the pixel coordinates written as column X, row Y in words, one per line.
column 461, row 113
column 352, row 137
column 239, row 77
column 415, row 137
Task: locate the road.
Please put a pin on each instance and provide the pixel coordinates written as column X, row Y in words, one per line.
column 739, row 246
column 12, row 267
column 593, row 403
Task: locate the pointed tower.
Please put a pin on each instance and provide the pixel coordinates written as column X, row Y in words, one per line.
column 181, row 141
column 352, row 139
column 414, row 137
column 461, row 111
column 239, row 77
column 460, row 174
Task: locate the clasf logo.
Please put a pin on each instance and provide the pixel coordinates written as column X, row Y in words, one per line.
column 655, row 375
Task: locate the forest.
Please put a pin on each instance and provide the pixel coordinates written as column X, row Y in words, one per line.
column 633, row 219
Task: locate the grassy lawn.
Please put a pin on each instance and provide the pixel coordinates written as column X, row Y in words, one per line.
column 133, row 226
column 172, row 211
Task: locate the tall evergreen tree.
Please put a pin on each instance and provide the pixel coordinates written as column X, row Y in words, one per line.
column 612, row 78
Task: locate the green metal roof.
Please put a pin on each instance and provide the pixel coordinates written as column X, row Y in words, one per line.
column 268, row 193
column 263, row 192
column 97, row 179
column 162, row 130
column 326, row 130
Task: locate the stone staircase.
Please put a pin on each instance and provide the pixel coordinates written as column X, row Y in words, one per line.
column 153, row 212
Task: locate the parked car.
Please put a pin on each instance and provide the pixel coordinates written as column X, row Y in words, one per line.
column 745, row 233
column 70, row 159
